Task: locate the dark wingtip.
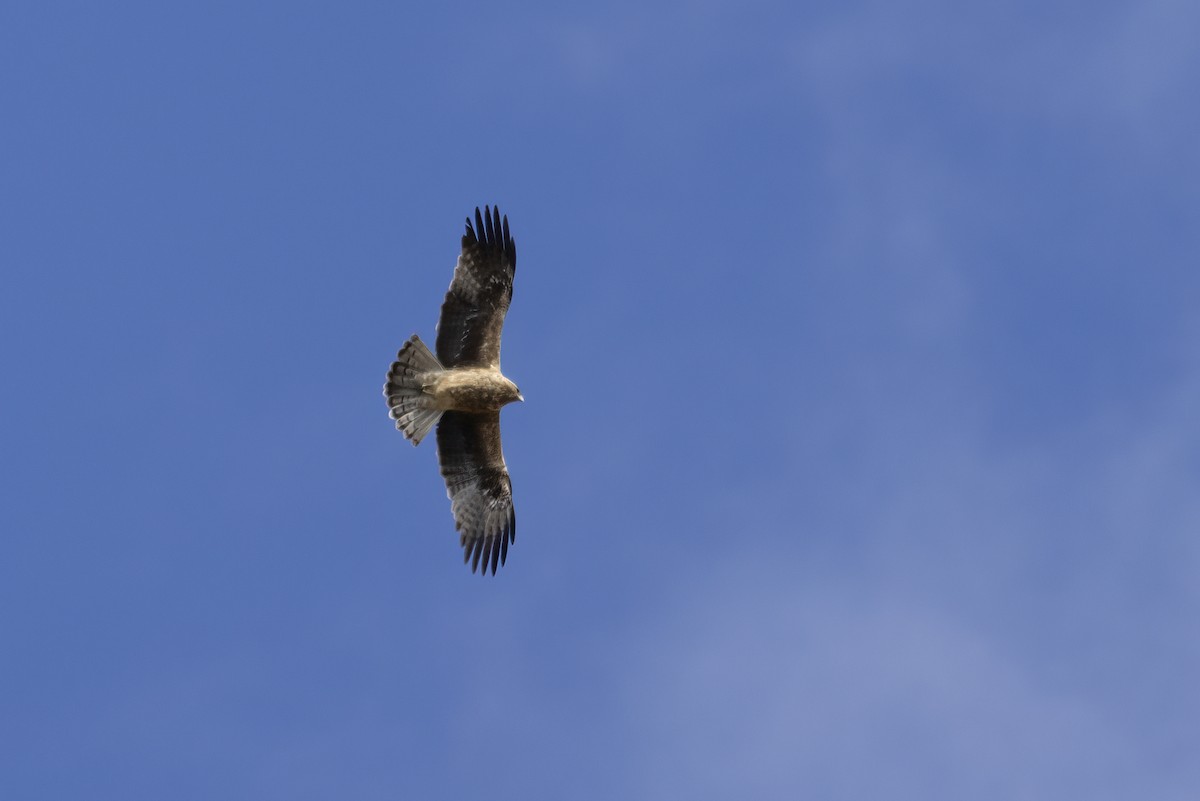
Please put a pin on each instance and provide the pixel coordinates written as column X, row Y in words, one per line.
column 472, row 552
column 488, row 554
column 474, row 232
column 490, row 227
column 480, row 231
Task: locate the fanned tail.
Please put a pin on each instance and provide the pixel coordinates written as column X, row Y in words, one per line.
column 408, row 405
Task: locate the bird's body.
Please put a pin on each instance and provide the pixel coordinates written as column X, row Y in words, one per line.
column 471, row 389
column 461, row 391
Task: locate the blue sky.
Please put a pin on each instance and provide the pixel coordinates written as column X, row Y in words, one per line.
column 860, row 457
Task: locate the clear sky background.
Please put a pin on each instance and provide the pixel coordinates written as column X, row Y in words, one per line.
column 861, row 450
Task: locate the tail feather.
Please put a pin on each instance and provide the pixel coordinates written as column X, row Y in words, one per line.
column 407, row 402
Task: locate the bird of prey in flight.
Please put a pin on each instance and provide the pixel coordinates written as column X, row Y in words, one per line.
column 461, row 391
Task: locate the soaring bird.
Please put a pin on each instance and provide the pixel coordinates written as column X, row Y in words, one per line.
column 461, row 391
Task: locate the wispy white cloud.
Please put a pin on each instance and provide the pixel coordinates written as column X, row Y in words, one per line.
column 775, row 688
column 1118, row 74
column 1014, row 620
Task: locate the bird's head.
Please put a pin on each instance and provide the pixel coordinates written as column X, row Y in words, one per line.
column 513, row 393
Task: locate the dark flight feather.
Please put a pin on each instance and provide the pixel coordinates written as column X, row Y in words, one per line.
column 468, row 332
column 478, row 485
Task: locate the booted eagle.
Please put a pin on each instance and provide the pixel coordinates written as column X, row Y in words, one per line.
column 461, row 391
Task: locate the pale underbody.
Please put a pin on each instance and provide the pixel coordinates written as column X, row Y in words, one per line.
column 470, row 389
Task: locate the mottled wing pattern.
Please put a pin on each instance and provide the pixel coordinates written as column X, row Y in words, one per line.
column 468, row 331
column 478, row 485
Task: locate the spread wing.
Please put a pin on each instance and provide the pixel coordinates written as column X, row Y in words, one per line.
column 468, row 331
column 478, row 485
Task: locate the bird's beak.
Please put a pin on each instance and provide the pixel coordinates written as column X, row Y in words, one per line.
column 520, row 397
